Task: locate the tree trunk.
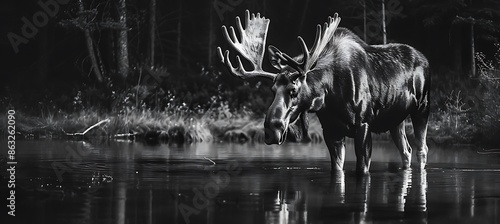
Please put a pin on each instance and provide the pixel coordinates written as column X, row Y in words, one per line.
column 179, row 32
column 472, row 51
column 211, row 35
column 122, row 40
column 384, row 33
column 100, row 62
column 152, row 32
column 110, row 51
column 90, row 47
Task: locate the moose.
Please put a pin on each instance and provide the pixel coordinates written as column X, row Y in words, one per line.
column 354, row 88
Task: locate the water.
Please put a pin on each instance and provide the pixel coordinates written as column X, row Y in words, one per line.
column 127, row 182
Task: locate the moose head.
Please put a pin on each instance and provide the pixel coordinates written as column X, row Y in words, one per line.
column 293, row 84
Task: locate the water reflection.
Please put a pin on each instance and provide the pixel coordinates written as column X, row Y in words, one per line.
column 120, row 203
column 364, row 201
column 287, row 207
column 347, row 198
column 167, row 184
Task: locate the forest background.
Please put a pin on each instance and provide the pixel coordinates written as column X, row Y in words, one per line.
column 151, row 66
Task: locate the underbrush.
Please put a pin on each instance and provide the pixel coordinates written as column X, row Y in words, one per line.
column 467, row 110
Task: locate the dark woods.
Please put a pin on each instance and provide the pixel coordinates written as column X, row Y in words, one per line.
column 115, row 55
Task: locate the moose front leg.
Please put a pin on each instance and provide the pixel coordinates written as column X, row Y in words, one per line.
column 336, row 147
column 363, row 148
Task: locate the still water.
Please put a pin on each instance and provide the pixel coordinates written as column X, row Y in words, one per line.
column 130, row 182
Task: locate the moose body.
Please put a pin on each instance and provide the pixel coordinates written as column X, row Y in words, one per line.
column 362, row 89
column 354, row 88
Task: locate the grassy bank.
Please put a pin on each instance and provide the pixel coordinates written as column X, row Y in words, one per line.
column 445, row 126
column 148, row 125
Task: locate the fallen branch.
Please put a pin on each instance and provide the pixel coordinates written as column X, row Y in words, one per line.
column 88, row 129
column 489, row 151
column 213, row 163
column 126, row 135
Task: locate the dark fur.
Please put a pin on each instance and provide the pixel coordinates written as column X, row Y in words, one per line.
column 388, row 75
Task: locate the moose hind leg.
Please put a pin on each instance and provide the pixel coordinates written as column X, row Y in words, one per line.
column 420, row 120
column 398, row 134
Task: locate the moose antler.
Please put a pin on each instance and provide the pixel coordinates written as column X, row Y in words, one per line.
column 251, row 46
column 323, row 36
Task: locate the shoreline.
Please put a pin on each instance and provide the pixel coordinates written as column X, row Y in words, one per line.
column 164, row 127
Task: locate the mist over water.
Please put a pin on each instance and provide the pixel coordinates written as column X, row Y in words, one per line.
column 130, row 182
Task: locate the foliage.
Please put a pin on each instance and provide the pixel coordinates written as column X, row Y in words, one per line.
column 488, row 113
column 453, row 120
column 468, row 110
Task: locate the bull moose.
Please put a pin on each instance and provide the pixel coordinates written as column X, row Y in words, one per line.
column 354, row 88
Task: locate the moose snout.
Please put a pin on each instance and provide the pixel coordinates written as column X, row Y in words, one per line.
column 272, row 136
column 274, row 132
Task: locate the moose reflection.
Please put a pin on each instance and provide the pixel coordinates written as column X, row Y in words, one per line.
column 356, row 199
column 350, row 199
column 354, row 88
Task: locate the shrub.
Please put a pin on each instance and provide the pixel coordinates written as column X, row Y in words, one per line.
column 487, row 115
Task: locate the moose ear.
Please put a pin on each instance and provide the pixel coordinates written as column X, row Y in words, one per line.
column 317, row 103
column 275, row 59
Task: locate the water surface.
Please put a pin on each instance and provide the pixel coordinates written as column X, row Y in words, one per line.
column 130, row 182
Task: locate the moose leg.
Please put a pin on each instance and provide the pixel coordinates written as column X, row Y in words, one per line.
column 398, row 134
column 363, row 148
column 336, row 147
column 420, row 127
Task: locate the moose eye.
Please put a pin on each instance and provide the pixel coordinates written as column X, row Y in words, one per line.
column 293, row 93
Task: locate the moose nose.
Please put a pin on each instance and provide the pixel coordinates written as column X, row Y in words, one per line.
column 273, row 130
column 272, row 136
